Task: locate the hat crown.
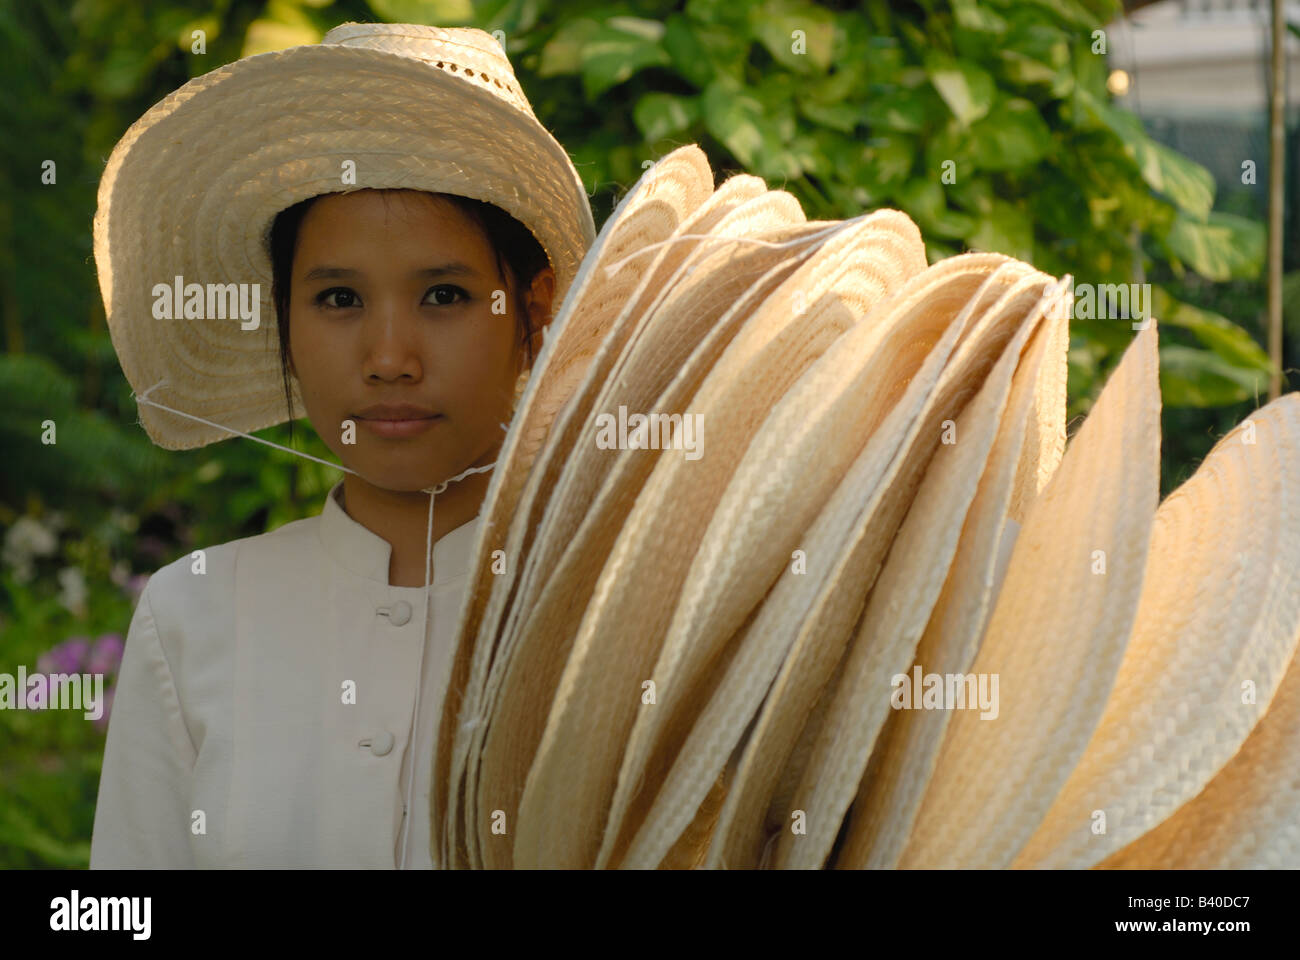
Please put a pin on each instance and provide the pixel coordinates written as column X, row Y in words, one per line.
column 473, row 55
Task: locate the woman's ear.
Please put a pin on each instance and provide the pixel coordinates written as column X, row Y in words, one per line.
column 538, row 303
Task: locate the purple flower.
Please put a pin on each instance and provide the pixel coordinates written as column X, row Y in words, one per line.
column 135, row 586
column 107, row 654
column 66, row 657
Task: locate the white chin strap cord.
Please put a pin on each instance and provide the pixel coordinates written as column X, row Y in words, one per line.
column 428, row 581
column 419, row 670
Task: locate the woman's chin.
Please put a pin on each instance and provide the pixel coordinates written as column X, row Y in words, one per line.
column 398, row 478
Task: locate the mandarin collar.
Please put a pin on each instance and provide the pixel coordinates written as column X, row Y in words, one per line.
column 365, row 553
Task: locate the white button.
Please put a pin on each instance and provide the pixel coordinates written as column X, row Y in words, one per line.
column 381, row 743
column 399, row 613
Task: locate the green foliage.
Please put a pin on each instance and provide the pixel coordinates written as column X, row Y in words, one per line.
column 987, row 121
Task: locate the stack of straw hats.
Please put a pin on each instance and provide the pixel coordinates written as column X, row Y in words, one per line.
column 671, row 661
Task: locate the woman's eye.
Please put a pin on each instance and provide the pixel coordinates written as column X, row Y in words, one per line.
column 447, row 293
column 348, row 298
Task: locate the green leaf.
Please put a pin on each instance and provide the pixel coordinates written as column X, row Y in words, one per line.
column 284, row 25
column 689, row 56
column 798, row 35
column 618, row 49
column 1006, row 229
column 1226, row 339
column 1190, row 377
column 843, row 117
column 432, row 13
column 968, row 89
column 1023, row 71
column 726, row 13
column 1011, row 137
column 1071, row 11
column 733, row 119
column 904, row 110
column 660, row 115
column 1225, row 247
column 1291, row 301
column 1184, row 181
column 922, row 200
column 1188, row 184
column 975, row 16
column 563, row 52
column 889, row 161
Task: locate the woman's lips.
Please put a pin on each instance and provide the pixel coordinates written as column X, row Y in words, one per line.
column 399, row 428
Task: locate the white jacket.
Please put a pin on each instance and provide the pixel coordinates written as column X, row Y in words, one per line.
column 230, row 743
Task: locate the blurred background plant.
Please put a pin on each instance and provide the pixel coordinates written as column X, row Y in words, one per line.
column 848, row 106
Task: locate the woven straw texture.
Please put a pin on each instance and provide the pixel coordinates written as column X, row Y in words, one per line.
column 411, row 107
column 890, row 793
column 695, row 662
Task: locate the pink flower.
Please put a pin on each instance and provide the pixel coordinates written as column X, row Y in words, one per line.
column 135, row 586
column 66, row 657
column 106, row 655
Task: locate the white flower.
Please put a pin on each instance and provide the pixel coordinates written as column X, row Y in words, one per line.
column 72, row 593
column 26, row 539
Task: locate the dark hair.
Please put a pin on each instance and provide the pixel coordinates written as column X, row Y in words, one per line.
column 513, row 244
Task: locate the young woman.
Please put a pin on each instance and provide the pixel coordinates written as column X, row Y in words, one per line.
column 391, row 196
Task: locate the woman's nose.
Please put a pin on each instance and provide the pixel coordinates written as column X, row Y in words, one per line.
column 392, row 341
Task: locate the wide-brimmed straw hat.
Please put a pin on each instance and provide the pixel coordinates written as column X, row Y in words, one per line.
column 878, row 391
column 811, row 616
column 1197, row 677
column 192, row 188
column 596, row 484
column 611, row 282
column 860, row 278
column 1026, row 450
column 653, row 682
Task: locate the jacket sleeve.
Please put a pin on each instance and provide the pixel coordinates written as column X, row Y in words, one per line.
column 142, row 817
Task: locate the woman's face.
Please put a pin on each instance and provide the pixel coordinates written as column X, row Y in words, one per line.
column 391, row 303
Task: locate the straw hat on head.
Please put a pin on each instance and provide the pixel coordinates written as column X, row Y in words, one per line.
column 192, row 188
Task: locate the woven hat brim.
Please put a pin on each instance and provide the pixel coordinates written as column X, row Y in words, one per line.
column 259, row 135
column 745, row 380
column 1219, row 612
column 858, row 397
column 498, row 630
column 566, row 476
column 905, row 755
column 996, row 778
column 590, row 497
column 1247, row 817
column 884, row 643
column 652, row 210
column 807, row 619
